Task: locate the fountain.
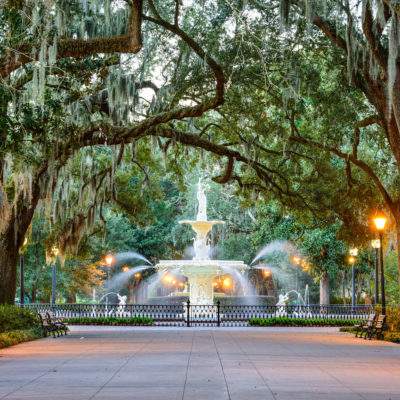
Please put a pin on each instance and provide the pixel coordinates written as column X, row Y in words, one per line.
column 201, row 270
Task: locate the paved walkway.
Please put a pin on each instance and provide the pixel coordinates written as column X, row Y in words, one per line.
column 105, row 363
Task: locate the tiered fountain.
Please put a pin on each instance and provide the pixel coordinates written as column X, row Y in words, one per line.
column 201, row 270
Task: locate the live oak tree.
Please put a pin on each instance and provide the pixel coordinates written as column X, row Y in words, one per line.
column 64, row 92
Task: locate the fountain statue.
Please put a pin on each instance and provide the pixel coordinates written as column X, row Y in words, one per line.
column 201, row 270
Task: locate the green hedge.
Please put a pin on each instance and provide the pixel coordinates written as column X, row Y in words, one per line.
column 392, row 336
column 13, row 318
column 110, row 321
column 302, row 322
column 11, row 338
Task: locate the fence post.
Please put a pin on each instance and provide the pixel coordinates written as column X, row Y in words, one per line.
column 188, row 314
column 218, row 313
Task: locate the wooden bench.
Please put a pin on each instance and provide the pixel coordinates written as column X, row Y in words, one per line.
column 363, row 328
column 377, row 329
column 58, row 324
column 47, row 327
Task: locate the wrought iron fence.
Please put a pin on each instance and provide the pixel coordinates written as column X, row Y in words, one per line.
column 204, row 315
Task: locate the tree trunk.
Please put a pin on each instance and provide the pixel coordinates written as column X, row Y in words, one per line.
column 324, row 290
column 344, row 293
column 8, row 267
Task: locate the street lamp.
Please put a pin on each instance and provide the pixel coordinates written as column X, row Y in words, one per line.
column 352, row 261
column 53, row 280
column 376, row 244
column 380, row 222
column 21, row 274
column 109, row 261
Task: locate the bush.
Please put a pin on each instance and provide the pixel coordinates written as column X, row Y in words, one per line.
column 392, row 336
column 13, row 318
column 110, row 321
column 11, row 338
column 283, row 321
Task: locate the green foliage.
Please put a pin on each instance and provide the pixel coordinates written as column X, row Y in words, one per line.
column 10, row 338
column 15, row 318
column 110, row 321
column 392, row 337
column 283, row 321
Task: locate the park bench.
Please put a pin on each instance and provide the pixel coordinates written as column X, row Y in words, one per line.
column 47, row 327
column 58, row 323
column 377, row 329
column 363, row 327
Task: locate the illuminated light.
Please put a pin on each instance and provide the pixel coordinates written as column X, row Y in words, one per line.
column 174, row 282
column 380, row 220
column 267, row 273
column 181, row 284
column 125, row 268
column 227, row 282
column 354, row 252
column 109, row 259
column 352, row 260
column 296, row 260
column 215, row 284
column 25, row 242
column 376, row 244
column 55, row 251
column 138, row 275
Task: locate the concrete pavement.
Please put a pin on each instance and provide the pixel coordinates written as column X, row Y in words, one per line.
column 105, row 363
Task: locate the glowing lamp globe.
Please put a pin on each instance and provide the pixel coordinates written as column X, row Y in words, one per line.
column 296, row 260
column 109, row 259
column 380, row 220
column 376, row 244
column 352, row 260
column 354, row 252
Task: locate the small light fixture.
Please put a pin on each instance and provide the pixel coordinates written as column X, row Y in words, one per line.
column 354, row 252
column 352, row 260
column 376, row 243
column 266, row 273
column 380, row 220
column 55, row 251
column 138, row 275
column 125, row 268
column 227, row 282
column 296, row 260
column 109, row 259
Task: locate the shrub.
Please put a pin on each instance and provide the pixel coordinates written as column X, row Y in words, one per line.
column 14, row 318
column 11, row 338
column 284, row 321
column 392, row 336
column 110, row 321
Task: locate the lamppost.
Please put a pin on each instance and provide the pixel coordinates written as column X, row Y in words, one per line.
column 109, row 261
column 297, row 261
column 21, row 274
column 352, row 260
column 376, row 244
column 380, row 222
column 53, row 280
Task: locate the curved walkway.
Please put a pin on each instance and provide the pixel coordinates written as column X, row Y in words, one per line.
column 201, row 363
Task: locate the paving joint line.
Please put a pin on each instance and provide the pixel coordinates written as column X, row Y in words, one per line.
column 222, row 367
column 187, row 366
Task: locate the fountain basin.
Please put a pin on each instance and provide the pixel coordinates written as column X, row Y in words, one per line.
column 200, row 274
